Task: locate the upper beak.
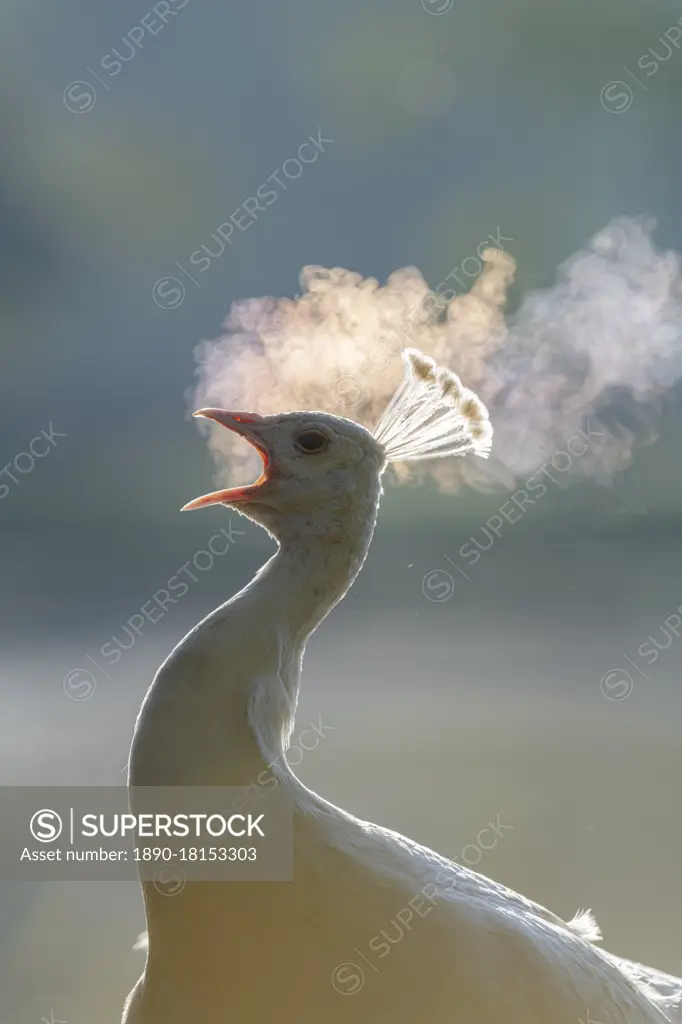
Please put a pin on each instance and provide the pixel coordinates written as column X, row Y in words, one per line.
column 246, row 425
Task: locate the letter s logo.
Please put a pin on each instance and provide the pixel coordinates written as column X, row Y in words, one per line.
column 46, row 826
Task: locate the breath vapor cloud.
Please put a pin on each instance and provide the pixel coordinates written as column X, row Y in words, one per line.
column 602, row 343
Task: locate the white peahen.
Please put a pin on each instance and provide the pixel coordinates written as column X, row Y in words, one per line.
column 221, row 710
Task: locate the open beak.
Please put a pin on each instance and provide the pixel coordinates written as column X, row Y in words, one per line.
column 246, row 425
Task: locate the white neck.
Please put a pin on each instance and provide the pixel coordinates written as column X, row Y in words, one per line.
column 301, row 584
column 222, row 707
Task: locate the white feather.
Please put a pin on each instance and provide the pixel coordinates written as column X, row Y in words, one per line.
column 432, row 415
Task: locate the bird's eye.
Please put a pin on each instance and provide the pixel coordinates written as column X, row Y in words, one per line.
column 311, row 441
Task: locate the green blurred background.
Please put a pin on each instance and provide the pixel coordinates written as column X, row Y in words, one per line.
column 445, row 713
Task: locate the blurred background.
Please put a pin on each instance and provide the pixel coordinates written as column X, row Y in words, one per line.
column 518, row 692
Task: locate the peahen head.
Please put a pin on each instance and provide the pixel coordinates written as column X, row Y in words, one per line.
column 315, row 468
column 320, row 471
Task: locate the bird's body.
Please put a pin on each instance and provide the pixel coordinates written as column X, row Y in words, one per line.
column 374, row 928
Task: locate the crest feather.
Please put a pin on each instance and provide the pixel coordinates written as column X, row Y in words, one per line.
column 432, row 415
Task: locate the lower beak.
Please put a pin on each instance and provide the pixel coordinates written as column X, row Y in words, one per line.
column 246, row 425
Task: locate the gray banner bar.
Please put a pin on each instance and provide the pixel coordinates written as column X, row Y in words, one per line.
column 165, row 835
